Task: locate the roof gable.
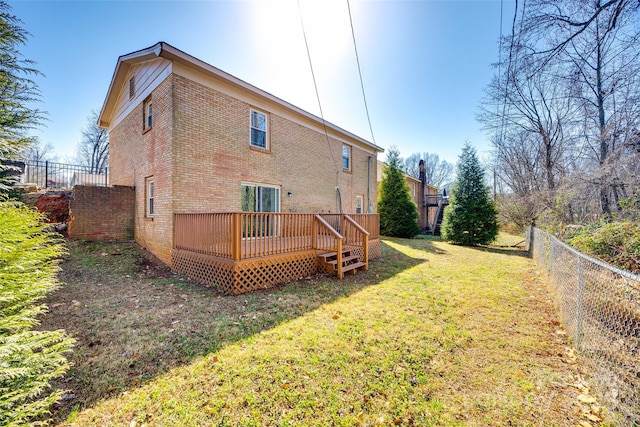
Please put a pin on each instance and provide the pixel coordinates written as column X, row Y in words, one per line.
column 113, row 107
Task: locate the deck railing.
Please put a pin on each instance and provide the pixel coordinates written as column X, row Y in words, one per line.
column 243, row 235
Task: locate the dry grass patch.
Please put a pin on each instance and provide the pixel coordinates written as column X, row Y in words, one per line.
column 433, row 334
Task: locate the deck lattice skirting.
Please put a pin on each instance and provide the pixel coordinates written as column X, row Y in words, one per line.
column 296, row 257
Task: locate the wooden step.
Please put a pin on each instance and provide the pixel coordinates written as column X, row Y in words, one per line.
column 345, row 260
column 327, row 255
column 353, row 267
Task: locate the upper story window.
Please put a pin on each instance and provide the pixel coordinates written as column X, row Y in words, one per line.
column 132, row 87
column 258, row 129
column 346, row 157
column 147, row 106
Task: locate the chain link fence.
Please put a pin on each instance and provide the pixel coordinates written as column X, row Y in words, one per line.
column 600, row 308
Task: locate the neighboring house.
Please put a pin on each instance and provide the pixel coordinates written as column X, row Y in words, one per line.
column 425, row 197
column 193, row 139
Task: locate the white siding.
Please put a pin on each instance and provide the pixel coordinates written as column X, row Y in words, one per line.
column 147, row 76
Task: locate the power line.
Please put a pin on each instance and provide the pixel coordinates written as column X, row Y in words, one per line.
column 355, row 48
column 315, row 85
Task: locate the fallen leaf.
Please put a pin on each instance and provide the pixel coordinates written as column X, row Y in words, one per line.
column 585, row 424
column 111, row 388
column 285, row 385
column 559, row 332
column 213, row 359
column 585, row 398
column 136, row 382
column 335, row 316
column 397, row 421
column 594, row 418
column 211, row 410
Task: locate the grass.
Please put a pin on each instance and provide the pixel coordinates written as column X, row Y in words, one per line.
column 432, row 334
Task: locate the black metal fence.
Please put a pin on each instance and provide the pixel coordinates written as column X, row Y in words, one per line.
column 45, row 174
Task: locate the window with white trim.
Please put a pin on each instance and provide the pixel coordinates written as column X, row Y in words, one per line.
column 258, row 129
column 147, row 106
column 150, row 197
column 346, row 157
column 260, row 198
column 359, row 204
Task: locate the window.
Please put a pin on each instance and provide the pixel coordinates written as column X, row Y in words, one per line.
column 346, row 157
column 150, row 207
column 258, row 129
column 148, row 114
column 358, row 204
column 132, row 87
column 256, row 198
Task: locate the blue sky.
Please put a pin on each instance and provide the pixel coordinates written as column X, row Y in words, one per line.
column 424, row 63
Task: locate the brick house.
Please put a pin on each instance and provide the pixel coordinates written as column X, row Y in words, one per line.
column 193, row 139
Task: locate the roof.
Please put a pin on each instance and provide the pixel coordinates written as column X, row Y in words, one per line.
column 164, row 50
column 407, row 177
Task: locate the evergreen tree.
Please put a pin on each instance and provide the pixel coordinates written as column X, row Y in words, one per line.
column 17, row 92
column 398, row 212
column 29, row 359
column 28, row 255
column 471, row 217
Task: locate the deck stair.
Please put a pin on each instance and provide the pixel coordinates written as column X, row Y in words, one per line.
column 350, row 263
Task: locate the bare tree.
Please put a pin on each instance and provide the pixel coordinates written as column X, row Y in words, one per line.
column 39, row 151
column 564, row 109
column 93, row 149
column 597, row 44
column 438, row 172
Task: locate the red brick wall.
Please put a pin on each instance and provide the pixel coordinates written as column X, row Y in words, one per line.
column 101, row 213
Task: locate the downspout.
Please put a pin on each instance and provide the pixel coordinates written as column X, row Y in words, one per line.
column 369, row 208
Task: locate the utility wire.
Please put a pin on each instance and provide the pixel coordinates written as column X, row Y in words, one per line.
column 315, row 85
column 355, row 48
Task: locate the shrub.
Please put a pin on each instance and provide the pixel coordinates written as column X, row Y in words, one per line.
column 29, row 359
column 617, row 243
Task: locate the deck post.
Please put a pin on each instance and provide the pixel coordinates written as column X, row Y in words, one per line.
column 339, row 258
column 236, row 236
column 314, row 233
column 366, row 252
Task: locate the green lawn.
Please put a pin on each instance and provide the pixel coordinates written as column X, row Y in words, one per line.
column 432, row 334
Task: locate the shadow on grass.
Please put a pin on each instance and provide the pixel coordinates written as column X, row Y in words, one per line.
column 134, row 319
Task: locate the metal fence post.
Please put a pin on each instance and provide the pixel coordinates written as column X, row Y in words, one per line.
column 579, row 304
column 46, row 174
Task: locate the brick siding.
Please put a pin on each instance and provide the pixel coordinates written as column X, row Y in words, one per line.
column 101, row 213
column 198, row 153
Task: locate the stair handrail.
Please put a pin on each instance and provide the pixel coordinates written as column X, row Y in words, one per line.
column 435, row 218
column 338, row 238
column 365, row 239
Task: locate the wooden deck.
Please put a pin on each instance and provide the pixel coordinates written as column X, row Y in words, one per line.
column 242, row 251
